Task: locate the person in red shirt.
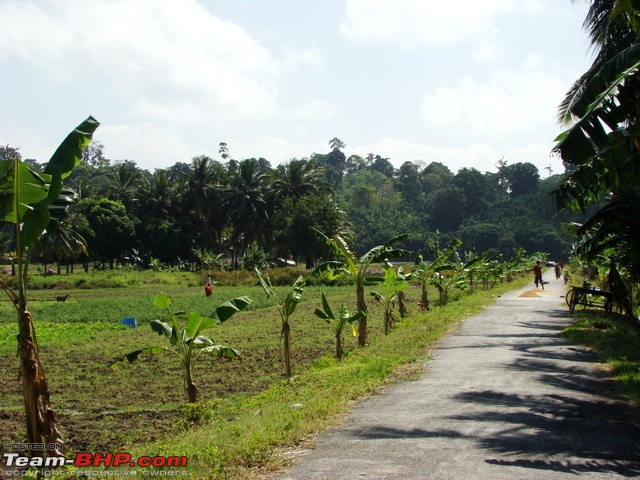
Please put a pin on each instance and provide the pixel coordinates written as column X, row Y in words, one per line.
column 537, row 274
column 208, row 289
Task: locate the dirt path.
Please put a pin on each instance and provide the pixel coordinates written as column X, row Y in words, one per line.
column 504, row 398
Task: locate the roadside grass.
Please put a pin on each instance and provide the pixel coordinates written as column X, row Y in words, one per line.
column 250, row 418
column 616, row 338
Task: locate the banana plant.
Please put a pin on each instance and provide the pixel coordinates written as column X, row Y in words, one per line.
column 474, row 266
column 30, row 201
column 429, row 271
column 347, row 263
column 455, row 277
column 338, row 322
column 286, row 305
column 188, row 342
column 394, row 283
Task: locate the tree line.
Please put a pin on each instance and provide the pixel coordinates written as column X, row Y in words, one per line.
column 245, row 213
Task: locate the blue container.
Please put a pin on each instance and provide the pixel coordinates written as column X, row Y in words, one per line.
column 130, row 322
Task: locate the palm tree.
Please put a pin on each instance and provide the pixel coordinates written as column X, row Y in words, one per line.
column 157, row 198
column 126, row 178
column 298, row 178
column 64, row 239
column 201, row 195
column 245, row 205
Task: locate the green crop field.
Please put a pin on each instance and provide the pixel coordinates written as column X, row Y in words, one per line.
column 247, row 411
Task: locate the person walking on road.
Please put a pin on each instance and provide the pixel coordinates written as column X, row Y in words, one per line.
column 537, row 274
column 558, row 270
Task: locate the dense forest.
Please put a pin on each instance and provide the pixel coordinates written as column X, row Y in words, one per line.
column 241, row 213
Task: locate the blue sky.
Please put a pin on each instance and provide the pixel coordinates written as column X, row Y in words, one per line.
column 465, row 83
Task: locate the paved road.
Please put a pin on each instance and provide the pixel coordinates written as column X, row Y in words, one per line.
column 506, row 397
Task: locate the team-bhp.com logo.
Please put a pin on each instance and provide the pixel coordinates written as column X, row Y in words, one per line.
column 21, row 462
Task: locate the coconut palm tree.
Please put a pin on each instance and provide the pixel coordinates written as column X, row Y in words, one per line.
column 126, row 178
column 298, row 178
column 157, row 196
column 64, row 239
column 245, row 205
column 201, row 197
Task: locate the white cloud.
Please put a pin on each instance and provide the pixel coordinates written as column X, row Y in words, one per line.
column 311, row 57
column 159, row 55
column 508, row 101
column 410, row 23
column 142, row 142
column 169, row 79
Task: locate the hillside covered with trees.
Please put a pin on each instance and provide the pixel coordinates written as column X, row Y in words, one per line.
column 241, row 213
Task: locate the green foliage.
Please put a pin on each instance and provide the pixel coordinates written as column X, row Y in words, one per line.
column 427, row 272
column 29, row 202
column 27, row 196
column 286, row 304
column 602, row 144
column 200, row 412
column 205, row 204
column 209, row 260
column 295, row 218
column 188, row 342
column 112, row 225
column 255, row 257
column 347, row 263
column 338, row 322
column 394, row 283
column 97, row 279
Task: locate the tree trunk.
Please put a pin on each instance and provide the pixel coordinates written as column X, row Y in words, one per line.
column 362, row 322
column 387, row 320
column 424, row 300
column 286, row 340
column 40, row 418
column 190, row 387
column 339, row 345
column 402, row 308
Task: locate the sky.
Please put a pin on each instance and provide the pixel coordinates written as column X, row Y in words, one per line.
column 465, row 83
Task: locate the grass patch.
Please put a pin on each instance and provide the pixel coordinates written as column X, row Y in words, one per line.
column 617, row 339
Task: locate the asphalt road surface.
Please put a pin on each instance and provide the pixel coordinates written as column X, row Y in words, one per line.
column 506, row 397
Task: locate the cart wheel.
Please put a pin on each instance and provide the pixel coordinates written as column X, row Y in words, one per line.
column 569, row 298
